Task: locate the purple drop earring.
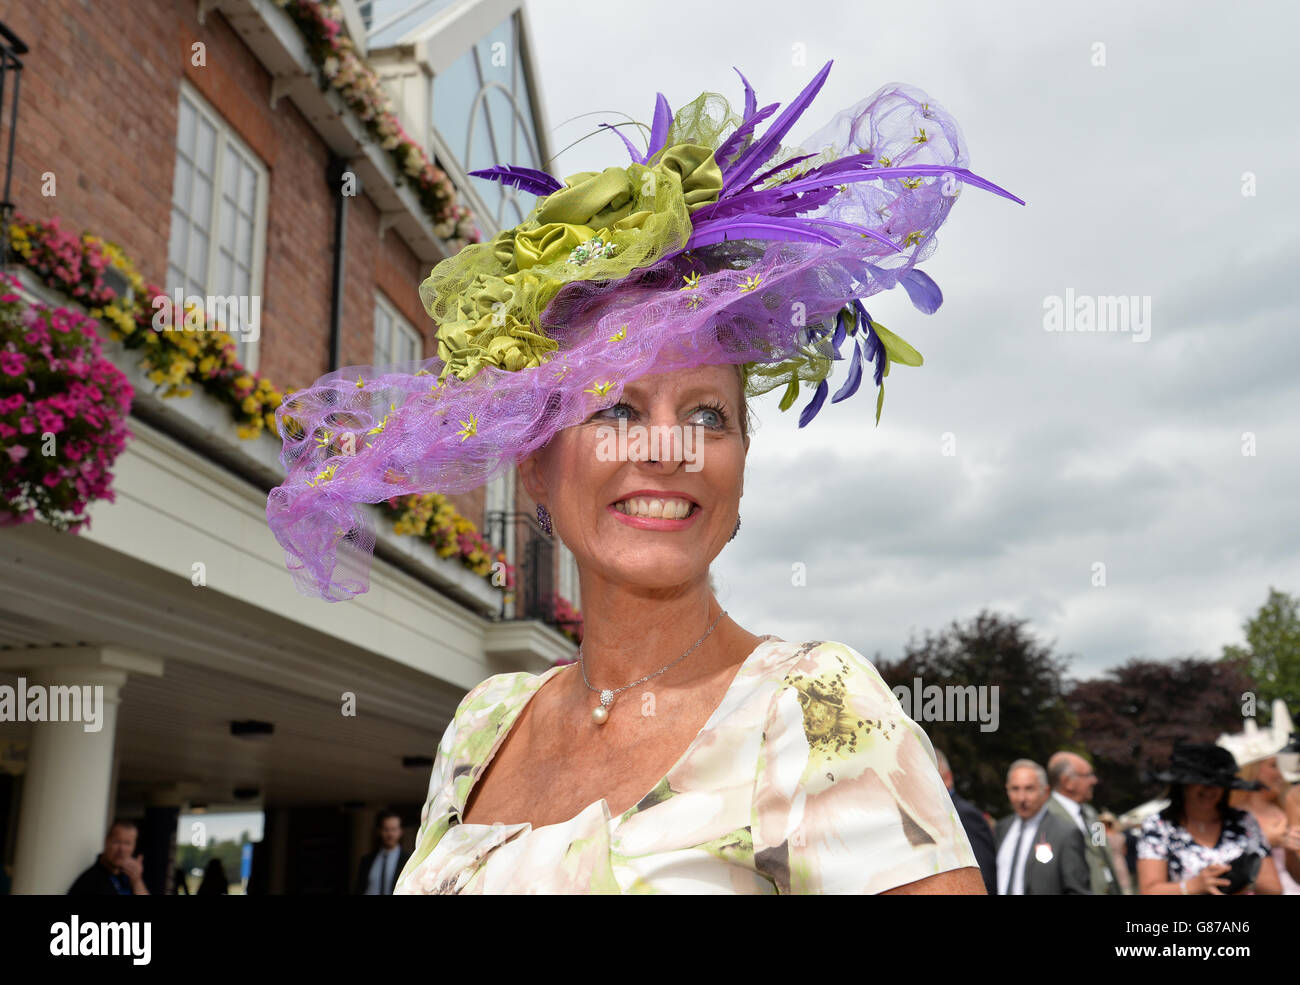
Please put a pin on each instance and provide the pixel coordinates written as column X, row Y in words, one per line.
column 544, row 518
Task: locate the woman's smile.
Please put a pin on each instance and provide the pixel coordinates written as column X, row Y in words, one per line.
column 655, row 512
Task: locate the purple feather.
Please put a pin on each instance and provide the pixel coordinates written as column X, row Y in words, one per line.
column 923, row 291
column 768, row 144
column 863, row 230
column 815, row 404
column 778, row 169
column 635, row 154
column 659, row 128
column 732, row 144
column 757, row 227
column 525, row 179
column 751, row 100
column 870, row 174
column 854, row 379
column 837, row 339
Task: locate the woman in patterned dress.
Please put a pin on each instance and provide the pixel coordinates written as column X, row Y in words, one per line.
column 1189, row 847
column 753, row 765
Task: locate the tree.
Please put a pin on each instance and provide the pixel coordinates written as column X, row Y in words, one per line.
column 1271, row 655
column 1129, row 719
column 992, row 650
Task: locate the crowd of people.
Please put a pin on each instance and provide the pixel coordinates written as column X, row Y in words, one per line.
column 1225, row 827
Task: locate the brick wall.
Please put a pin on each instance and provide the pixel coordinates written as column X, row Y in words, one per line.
column 100, row 95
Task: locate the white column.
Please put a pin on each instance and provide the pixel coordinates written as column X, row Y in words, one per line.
column 66, row 791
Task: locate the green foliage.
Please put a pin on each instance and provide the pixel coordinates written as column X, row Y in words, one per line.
column 1271, row 655
column 1033, row 718
column 1130, row 717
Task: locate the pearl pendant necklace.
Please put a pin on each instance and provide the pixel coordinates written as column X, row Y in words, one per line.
column 600, row 714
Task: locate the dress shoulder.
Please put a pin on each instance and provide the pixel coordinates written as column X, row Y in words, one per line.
column 847, row 793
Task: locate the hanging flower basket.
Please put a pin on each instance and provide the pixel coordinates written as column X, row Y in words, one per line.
column 63, row 411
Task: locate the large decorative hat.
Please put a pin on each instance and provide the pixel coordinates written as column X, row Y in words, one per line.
column 714, row 245
column 1204, row 763
column 1253, row 744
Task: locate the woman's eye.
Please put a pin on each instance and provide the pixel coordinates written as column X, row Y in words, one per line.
column 609, row 412
column 712, row 418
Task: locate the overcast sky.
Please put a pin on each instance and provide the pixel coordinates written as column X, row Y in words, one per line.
column 1071, row 449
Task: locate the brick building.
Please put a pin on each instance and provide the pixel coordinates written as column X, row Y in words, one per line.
column 211, row 140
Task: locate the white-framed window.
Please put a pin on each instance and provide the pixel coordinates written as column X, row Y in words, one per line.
column 217, row 244
column 396, row 341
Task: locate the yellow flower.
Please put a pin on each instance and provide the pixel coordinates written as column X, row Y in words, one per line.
column 692, row 281
column 250, row 405
column 751, row 284
column 468, row 428
column 600, row 389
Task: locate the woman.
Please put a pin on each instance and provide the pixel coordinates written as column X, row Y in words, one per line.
column 1266, row 805
column 1191, row 846
column 607, row 345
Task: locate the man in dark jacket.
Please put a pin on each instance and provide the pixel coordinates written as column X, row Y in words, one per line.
column 377, row 874
column 116, row 872
column 977, row 829
column 1039, row 852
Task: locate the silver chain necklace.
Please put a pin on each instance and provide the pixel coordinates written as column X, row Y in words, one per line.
column 600, row 714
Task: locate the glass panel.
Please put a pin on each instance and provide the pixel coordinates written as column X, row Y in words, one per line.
column 417, row 13
column 453, row 92
column 244, row 244
column 383, row 326
column 247, row 187
column 176, row 243
column 201, row 208
column 205, row 153
column 181, row 184
column 197, row 268
column 185, row 128
column 244, row 282
column 223, row 277
column 226, row 228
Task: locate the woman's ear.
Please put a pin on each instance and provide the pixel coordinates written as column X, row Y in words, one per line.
column 531, row 474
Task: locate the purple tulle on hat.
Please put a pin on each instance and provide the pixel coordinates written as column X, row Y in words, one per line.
column 770, row 276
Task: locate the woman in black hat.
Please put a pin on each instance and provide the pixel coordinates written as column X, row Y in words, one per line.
column 1198, row 844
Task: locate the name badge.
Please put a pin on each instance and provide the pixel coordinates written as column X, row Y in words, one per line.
column 1043, row 852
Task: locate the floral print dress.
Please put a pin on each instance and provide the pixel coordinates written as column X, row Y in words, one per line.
column 807, row 778
column 1162, row 839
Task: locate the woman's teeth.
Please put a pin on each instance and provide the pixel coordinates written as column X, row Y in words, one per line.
column 668, row 509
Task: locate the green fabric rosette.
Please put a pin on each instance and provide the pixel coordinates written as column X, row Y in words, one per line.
column 487, row 300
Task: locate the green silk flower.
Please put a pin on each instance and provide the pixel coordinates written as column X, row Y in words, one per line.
column 488, row 299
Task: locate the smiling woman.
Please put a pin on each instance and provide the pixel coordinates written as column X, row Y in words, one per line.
column 607, row 347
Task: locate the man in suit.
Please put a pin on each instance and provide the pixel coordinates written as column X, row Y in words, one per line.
column 378, row 872
column 1072, row 780
column 1039, row 853
column 977, row 829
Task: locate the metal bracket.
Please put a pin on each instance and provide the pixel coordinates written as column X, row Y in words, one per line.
column 205, row 6
column 282, row 85
column 387, row 220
